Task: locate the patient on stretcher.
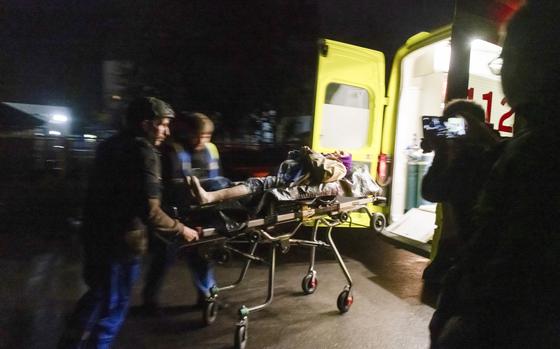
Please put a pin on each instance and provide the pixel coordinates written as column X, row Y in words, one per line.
column 304, row 174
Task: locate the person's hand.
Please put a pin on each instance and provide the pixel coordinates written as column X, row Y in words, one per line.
column 190, row 234
column 426, row 145
column 437, row 144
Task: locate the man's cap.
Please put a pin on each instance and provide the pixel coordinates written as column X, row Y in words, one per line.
column 147, row 108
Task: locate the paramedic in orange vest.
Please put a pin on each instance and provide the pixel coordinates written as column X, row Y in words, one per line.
column 190, row 154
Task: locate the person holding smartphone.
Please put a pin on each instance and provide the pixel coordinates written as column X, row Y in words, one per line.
column 506, row 284
column 465, row 150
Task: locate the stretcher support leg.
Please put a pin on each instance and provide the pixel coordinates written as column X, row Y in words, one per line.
column 242, row 275
column 313, row 248
column 211, row 308
column 242, row 327
column 345, row 298
column 309, row 282
column 339, row 257
column 245, row 311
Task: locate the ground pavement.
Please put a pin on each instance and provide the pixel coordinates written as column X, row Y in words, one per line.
column 41, row 282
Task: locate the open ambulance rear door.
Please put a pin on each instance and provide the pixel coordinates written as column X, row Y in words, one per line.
column 458, row 61
column 384, row 133
column 349, row 104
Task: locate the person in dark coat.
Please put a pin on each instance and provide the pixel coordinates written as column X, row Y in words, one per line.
column 458, row 173
column 504, row 291
column 123, row 204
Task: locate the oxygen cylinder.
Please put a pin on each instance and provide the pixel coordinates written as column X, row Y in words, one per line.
column 414, row 156
column 411, row 184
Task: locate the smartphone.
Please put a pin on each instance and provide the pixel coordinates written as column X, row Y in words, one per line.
column 456, row 127
column 438, row 127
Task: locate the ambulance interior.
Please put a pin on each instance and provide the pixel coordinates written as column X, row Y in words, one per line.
column 422, row 92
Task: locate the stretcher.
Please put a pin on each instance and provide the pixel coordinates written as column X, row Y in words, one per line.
column 275, row 227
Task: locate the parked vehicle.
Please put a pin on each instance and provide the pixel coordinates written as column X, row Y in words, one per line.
column 382, row 128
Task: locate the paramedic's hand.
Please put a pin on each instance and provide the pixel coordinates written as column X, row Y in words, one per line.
column 190, row 234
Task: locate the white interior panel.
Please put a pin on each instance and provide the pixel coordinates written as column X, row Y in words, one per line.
column 423, row 80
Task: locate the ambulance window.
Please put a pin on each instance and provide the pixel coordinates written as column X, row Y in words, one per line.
column 346, row 117
column 346, row 95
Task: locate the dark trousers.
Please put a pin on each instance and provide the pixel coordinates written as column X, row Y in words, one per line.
column 100, row 312
column 163, row 255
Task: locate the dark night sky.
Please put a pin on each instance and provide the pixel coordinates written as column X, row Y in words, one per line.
column 383, row 25
column 215, row 55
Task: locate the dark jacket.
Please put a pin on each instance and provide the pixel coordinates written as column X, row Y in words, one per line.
column 507, row 281
column 123, row 199
column 457, row 176
column 513, row 261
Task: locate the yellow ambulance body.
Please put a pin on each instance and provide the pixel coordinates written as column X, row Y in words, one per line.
column 381, row 127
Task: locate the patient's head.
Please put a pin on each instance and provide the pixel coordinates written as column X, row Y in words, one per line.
column 342, row 156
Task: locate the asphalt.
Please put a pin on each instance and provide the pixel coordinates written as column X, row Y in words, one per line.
column 41, row 282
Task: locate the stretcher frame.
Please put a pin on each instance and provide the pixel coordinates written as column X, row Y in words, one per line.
column 328, row 213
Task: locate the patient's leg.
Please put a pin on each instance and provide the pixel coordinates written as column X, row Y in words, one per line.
column 206, row 197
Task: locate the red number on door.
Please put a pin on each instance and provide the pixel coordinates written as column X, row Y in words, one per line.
column 501, row 126
column 488, row 98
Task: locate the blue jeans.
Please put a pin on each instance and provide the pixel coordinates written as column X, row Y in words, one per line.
column 163, row 255
column 202, row 271
column 101, row 311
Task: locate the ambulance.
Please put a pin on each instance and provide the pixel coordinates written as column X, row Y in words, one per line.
column 382, row 127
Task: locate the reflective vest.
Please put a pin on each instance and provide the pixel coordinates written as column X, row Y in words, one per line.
column 211, row 164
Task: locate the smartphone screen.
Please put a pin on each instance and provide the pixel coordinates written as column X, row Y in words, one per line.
column 438, row 127
column 433, row 127
column 455, row 127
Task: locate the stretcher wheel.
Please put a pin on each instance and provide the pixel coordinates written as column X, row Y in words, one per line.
column 309, row 282
column 210, row 312
column 344, row 301
column 378, row 222
column 241, row 335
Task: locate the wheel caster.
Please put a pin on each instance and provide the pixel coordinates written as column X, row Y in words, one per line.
column 210, row 312
column 344, row 301
column 241, row 335
column 309, row 282
column 378, row 222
